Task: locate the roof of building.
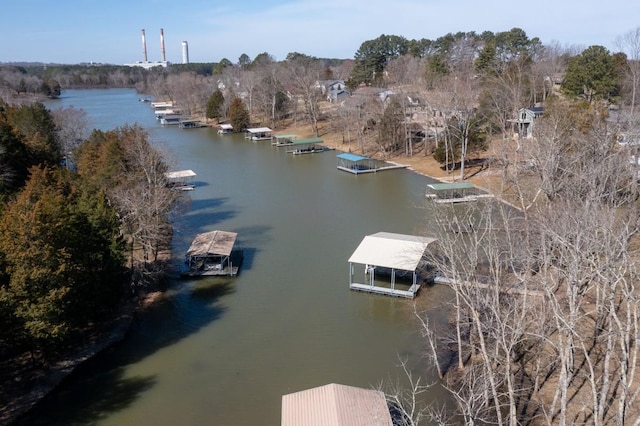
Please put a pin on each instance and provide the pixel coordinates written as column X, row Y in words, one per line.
column 450, row 186
column 389, row 250
column 335, row 405
column 306, row 141
column 180, row 174
column 352, row 157
column 213, row 243
column 259, row 130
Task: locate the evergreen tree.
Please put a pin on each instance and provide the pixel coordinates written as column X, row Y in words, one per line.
column 244, row 61
column 592, row 74
column 13, row 160
column 37, row 131
column 214, row 105
column 62, row 268
column 373, row 56
column 238, row 115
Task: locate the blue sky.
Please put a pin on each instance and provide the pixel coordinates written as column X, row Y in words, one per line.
column 109, row 31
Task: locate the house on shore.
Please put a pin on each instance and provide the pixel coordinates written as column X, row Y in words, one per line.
column 523, row 124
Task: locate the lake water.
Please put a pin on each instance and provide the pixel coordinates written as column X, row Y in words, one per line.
column 219, row 351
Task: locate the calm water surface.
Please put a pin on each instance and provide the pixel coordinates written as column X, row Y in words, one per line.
column 223, row 351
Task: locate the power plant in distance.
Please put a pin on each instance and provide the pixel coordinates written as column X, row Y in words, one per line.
column 163, row 62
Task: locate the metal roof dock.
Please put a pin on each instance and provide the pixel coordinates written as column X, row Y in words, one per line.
column 454, row 192
column 357, row 164
column 213, row 253
column 306, row 146
column 335, row 405
column 389, row 254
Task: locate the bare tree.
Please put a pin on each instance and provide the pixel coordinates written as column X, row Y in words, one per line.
column 302, row 75
column 629, row 44
column 545, row 308
column 72, row 126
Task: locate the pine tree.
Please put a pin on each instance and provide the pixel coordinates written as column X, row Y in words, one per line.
column 214, row 105
column 238, row 115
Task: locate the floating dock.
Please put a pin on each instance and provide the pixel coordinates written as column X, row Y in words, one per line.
column 181, row 180
column 283, row 140
column 390, row 255
column 306, row 146
column 190, row 124
column 455, row 192
column 358, row 164
column 213, row 253
column 258, row 134
column 225, row 129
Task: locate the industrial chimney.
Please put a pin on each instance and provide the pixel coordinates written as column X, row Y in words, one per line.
column 144, row 46
column 185, row 52
column 164, row 59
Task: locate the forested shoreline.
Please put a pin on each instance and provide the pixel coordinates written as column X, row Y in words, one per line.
column 80, row 239
column 546, row 317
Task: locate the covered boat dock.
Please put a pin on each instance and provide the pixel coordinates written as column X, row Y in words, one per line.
column 390, row 255
column 358, row 164
column 181, row 180
column 258, row 134
column 190, row 123
column 283, row 140
column 213, row 253
column 225, row 128
column 306, row 146
column 455, row 192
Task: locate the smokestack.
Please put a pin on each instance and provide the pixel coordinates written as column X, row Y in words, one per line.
column 185, row 52
column 164, row 59
column 144, row 46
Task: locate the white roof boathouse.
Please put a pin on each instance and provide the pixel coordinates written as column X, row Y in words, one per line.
column 225, row 128
column 258, row 134
column 181, row 180
column 389, row 255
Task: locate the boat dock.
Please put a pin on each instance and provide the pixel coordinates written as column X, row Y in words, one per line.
column 306, row 146
column 171, row 119
column 391, row 256
column 181, row 180
column 258, row 134
column 358, row 164
column 190, row 124
column 213, row 253
column 225, row 129
column 283, row 140
column 456, row 192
